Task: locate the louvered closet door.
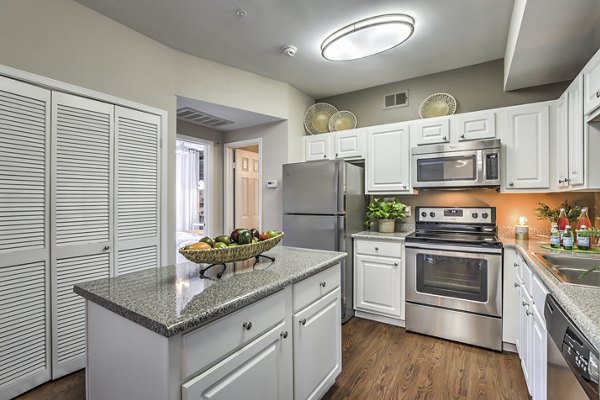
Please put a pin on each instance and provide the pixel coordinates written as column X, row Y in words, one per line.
column 82, row 162
column 137, row 216
column 24, row 248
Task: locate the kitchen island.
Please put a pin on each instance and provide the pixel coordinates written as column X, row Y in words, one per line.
column 266, row 332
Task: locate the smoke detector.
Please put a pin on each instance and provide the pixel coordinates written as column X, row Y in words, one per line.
column 290, row 50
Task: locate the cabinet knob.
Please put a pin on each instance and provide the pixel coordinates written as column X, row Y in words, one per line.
column 462, row 136
column 323, row 284
column 598, row 94
column 516, row 284
column 515, row 265
column 567, row 180
column 561, row 181
column 444, row 138
column 511, row 184
column 247, row 325
column 395, row 264
column 284, row 334
column 303, row 321
column 106, row 248
column 525, row 304
column 336, row 154
column 528, row 312
column 376, row 248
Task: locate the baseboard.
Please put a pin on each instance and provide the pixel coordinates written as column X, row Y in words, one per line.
column 510, row 347
column 379, row 318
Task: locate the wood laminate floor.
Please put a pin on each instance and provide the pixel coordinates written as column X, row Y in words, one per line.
column 381, row 361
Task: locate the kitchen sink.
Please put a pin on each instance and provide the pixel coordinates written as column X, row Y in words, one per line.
column 572, row 269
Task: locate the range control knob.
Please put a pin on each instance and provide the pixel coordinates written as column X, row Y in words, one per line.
column 423, row 214
column 474, row 215
column 432, row 214
column 484, row 215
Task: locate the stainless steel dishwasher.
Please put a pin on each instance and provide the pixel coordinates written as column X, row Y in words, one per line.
column 572, row 360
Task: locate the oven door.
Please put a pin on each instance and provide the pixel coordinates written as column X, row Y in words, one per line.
column 455, row 277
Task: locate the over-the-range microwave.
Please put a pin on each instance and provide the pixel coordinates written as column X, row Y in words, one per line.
column 456, row 165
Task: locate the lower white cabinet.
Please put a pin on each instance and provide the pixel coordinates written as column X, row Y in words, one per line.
column 317, row 349
column 379, row 278
column 260, row 370
column 510, row 322
column 531, row 342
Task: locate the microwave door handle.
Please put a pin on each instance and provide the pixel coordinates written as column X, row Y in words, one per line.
column 480, row 167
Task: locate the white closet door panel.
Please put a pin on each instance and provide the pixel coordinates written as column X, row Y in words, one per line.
column 82, row 169
column 24, row 237
column 137, row 190
column 24, row 325
column 70, row 308
column 82, row 198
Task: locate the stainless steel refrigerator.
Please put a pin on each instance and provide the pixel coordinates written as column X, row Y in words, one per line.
column 323, row 205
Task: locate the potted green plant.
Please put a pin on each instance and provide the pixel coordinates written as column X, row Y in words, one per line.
column 385, row 212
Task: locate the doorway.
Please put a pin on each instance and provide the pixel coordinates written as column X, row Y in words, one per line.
column 242, row 184
column 191, row 190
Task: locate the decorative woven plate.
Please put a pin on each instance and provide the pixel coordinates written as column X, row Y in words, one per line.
column 437, row 105
column 342, row 120
column 316, row 118
column 230, row 254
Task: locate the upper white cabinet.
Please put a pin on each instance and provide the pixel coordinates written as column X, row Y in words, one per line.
column 350, row 144
column 387, row 166
column 570, row 137
column 473, row 126
column 431, row 130
column 591, row 84
column 527, row 147
column 318, row 147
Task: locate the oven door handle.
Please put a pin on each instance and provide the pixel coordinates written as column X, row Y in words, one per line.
column 462, row 249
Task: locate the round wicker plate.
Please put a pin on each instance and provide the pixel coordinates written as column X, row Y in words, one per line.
column 316, row 118
column 230, row 254
column 437, row 105
column 342, row 120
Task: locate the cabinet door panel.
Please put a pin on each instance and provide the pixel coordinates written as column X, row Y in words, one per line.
column 24, row 237
column 350, row 144
column 82, row 168
column 260, row 370
column 378, row 285
column 510, row 322
column 432, row 130
column 538, row 354
column 562, row 140
column 527, row 147
column 591, row 84
column 388, row 160
column 317, row 347
column 318, row 147
column 576, row 132
column 474, row 126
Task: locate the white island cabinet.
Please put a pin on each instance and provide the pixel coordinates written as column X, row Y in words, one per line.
column 264, row 334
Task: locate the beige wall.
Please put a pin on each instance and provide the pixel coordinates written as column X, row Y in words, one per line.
column 477, row 87
column 274, row 139
column 64, row 40
column 215, row 177
column 509, row 206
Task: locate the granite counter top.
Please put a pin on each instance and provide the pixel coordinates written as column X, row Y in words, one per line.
column 581, row 303
column 173, row 299
column 374, row 235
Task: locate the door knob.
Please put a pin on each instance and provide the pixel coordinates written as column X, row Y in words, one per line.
column 303, row 321
column 247, row 325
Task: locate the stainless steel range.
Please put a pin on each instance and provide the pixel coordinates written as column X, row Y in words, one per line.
column 454, row 275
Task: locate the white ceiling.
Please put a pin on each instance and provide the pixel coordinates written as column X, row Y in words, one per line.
column 448, row 34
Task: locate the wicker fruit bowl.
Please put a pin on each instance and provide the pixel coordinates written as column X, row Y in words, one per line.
column 230, row 254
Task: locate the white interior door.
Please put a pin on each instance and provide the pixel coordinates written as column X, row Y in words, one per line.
column 81, row 229
column 247, row 178
column 24, row 237
column 137, row 190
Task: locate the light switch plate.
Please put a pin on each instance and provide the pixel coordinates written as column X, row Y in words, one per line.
column 407, row 211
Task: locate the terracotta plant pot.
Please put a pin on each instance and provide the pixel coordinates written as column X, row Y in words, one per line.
column 387, row 225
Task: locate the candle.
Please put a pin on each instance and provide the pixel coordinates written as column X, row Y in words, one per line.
column 522, row 229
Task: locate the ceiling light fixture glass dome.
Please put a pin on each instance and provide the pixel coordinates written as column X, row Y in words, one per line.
column 368, row 37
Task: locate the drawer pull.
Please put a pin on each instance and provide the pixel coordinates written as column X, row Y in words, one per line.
column 323, row 284
column 284, row 334
column 247, row 325
column 303, row 321
column 516, row 284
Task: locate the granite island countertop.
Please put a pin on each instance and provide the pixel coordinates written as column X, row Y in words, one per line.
column 581, row 303
column 173, row 299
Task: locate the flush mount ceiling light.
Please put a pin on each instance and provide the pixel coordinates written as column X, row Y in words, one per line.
column 368, row 37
